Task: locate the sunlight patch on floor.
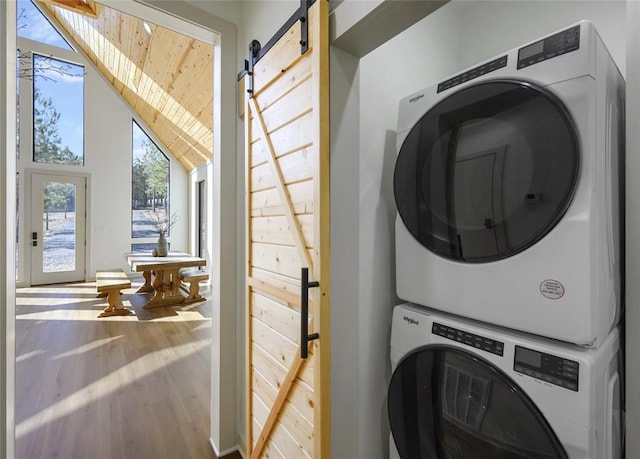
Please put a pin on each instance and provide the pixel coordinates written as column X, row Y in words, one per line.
column 52, row 301
column 28, row 355
column 92, row 314
column 107, row 386
column 87, row 347
column 87, row 287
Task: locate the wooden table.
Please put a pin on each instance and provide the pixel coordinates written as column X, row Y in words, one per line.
column 161, row 275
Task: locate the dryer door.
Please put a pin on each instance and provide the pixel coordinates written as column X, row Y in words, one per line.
column 488, row 171
column 445, row 402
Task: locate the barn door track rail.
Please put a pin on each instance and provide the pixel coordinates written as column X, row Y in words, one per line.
column 256, row 51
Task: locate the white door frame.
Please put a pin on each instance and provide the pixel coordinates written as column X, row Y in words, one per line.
column 7, row 229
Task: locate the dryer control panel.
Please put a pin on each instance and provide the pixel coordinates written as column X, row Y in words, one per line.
column 546, row 367
column 561, row 43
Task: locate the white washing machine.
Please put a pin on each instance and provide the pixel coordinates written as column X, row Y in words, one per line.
column 462, row 389
column 508, row 185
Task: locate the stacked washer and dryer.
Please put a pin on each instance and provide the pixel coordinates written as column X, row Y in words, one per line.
column 509, row 189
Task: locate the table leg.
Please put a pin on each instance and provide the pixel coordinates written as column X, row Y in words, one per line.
column 166, row 285
column 158, row 288
column 175, row 284
column 146, row 287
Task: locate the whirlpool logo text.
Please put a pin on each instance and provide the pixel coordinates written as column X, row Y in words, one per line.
column 410, row 320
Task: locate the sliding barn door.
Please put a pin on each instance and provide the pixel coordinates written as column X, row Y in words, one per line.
column 287, row 148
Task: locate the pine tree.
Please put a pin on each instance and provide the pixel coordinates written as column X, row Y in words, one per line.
column 47, row 144
column 156, row 170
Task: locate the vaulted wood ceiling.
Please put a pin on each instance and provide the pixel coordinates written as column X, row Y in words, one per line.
column 166, row 77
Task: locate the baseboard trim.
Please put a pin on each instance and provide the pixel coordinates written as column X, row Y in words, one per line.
column 221, row 454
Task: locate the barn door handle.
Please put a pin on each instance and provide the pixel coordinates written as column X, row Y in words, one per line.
column 305, row 337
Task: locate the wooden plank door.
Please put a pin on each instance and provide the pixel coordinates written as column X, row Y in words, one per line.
column 287, row 177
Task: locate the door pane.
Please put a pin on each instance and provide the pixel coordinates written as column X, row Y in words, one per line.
column 446, row 403
column 487, row 172
column 59, row 227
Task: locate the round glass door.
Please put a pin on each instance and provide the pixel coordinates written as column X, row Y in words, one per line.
column 488, row 171
column 445, row 402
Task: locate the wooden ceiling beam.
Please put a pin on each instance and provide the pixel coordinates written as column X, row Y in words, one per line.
column 84, row 7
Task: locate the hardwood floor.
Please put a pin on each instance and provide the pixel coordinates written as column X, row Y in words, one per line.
column 134, row 386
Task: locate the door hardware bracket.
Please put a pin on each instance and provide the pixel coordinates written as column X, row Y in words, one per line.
column 256, row 51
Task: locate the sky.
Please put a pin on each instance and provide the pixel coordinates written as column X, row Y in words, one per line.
column 66, row 91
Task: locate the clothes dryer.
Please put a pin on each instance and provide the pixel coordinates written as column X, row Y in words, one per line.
column 508, row 185
column 461, row 389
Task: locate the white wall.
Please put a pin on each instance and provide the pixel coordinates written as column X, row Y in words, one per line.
column 633, row 237
column 345, row 253
column 7, row 232
column 516, row 22
column 261, row 20
column 108, row 144
column 454, row 37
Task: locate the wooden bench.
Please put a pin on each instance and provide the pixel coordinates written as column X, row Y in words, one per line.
column 109, row 283
column 193, row 276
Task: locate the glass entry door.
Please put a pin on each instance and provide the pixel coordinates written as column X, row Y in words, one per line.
column 57, row 236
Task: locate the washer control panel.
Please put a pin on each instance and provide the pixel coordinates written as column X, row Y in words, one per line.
column 546, row 367
column 561, row 43
column 470, row 339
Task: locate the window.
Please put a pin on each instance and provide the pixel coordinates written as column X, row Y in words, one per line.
column 149, row 186
column 58, row 111
column 146, row 247
column 32, row 24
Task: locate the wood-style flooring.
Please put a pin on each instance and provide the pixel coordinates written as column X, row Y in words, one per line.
column 120, row 387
